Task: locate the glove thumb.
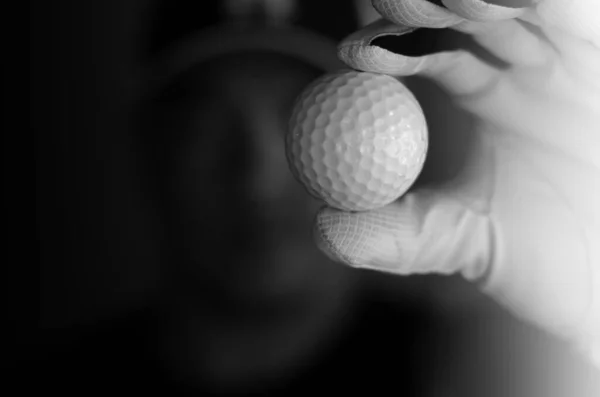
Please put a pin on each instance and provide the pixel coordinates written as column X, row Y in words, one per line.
column 426, row 231
column 436, row 232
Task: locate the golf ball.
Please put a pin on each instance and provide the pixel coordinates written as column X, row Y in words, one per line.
column 356, row 140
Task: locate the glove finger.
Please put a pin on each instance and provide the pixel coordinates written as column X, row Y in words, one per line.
column 481, row 11
column 505, row 37
column 416, row 13
column 424, row 232
column 458, row 70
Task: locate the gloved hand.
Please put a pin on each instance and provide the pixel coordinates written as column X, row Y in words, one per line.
column 523, row 217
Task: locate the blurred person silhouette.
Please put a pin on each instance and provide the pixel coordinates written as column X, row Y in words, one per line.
column 252, row 294
column 254, row 302
column 243, row 302
column 240, row 301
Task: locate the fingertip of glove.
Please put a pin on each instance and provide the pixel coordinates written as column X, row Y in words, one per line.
column 366, row 240
column 321, row 236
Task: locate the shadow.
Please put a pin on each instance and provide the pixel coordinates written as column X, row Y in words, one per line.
column 423, row 41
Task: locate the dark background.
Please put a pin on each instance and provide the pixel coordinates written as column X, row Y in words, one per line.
column 88, row 314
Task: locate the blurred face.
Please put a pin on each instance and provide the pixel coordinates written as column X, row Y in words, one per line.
column 245, row 221
column 242, row 224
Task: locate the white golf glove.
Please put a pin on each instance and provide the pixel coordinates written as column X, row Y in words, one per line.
column 523, row 217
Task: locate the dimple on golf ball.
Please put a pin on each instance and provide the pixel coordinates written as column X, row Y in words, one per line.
column 356, row 140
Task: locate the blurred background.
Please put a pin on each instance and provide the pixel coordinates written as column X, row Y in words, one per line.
column 174, row 249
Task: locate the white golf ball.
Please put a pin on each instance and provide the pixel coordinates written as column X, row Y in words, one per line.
column 356, row 140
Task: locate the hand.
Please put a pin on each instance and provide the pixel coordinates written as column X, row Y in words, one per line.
column 522, row 218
